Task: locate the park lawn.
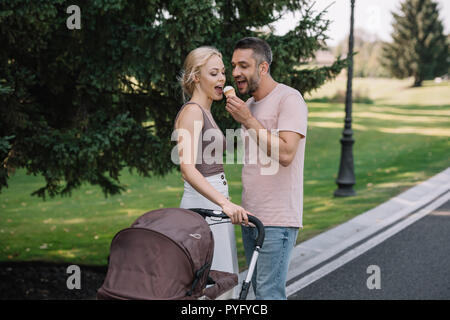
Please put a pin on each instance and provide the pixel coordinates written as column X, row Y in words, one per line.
column 397, row 145
column 388, row 91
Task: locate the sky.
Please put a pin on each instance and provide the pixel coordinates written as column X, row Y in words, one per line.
column 373, row 16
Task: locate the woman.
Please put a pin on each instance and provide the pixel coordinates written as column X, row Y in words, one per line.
column 205, row 185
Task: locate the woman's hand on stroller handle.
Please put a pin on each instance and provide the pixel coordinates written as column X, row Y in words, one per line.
column 237, row 214
column 251, row 218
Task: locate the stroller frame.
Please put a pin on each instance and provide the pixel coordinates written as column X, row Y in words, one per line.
column 259, row 242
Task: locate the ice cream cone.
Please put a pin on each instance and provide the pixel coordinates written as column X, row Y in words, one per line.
column 228, row 91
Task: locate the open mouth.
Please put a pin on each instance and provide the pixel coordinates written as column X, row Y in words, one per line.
column 241, row 83
column 219, row 90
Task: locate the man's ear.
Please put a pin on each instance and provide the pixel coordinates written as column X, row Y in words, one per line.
column 263, row 68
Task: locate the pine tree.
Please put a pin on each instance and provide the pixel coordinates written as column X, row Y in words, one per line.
column 80, row 105
column 419, row 48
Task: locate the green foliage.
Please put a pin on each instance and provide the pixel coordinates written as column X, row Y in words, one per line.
column 419, row 48
column 74, row 104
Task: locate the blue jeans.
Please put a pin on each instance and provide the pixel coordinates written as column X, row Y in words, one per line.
column 269, row 277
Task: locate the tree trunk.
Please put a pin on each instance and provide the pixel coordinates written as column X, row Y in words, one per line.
column 417, row 81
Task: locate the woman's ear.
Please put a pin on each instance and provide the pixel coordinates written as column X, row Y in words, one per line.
column 196, row 78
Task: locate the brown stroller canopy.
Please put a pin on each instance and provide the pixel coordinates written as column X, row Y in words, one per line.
column 165, row 254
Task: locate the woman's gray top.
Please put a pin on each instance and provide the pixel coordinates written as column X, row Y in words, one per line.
column 211, row 141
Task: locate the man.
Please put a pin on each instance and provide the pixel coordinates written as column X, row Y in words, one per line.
column 276, row 118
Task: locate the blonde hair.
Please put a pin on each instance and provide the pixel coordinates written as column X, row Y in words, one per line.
column 192, row 64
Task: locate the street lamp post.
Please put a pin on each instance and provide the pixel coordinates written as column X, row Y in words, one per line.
column 346, row 176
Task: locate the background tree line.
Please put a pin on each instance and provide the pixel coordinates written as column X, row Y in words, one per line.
column 79, row 106
column 419, row 47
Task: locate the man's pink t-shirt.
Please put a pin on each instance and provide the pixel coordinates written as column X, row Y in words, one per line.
column 277, row 199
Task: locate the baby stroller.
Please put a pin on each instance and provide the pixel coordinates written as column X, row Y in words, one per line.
column 167, row 254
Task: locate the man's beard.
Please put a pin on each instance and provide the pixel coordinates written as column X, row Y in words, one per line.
column 253, row 83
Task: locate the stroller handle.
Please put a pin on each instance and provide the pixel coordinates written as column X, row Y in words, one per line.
column 219, row 214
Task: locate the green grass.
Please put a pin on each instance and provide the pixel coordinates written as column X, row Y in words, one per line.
column 389, row 91
column 400, row 140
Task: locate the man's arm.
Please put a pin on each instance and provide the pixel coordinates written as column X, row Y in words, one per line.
column 287, row 141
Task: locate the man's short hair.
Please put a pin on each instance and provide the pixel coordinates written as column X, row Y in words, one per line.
column 261, row 49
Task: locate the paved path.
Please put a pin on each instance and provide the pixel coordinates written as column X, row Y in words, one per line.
column 412, row 264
